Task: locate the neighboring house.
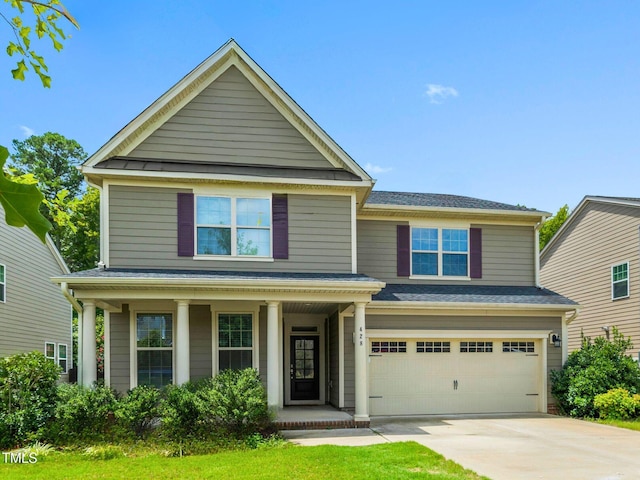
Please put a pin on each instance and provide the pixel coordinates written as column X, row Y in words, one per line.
column 594, row 259
column 237, row 233
column 34, row 315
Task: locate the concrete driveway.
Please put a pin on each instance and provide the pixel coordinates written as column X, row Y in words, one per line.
column 507, row 446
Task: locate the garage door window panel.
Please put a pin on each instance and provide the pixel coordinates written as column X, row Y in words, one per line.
column 476, row 347
column 433, row 347
column 518, row 347
column 388, row 347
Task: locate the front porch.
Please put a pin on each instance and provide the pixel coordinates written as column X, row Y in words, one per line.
column 320, row 417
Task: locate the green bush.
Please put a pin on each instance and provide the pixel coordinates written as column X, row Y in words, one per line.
column 139, row 410
column 616, row 404
column 82, row 414
column 27, row 397
column 596, row 368
column 183, row 412
column 239, row 401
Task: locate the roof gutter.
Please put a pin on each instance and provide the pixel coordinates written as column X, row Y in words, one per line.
column 70, row 298
column 412, row 305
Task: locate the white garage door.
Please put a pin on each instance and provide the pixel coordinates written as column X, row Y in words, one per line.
column 438, row 376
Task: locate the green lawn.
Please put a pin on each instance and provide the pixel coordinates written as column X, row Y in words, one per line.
column 388, row 461
column 630, row 424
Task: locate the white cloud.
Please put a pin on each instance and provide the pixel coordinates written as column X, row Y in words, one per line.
column 369, row 167
column 26, row 131
column 439, row 93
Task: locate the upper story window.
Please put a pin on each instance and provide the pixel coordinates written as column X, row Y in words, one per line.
column 3, row 284
column 441, row 252
column 620, row 281
column 233, row 226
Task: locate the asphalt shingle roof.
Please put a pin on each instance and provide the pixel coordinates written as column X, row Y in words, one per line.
column 439, row 200
column 216, row 275
column 470, row 294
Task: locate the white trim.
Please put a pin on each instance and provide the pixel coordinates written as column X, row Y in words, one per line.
column 394, row 333
column 440, row 252
column 56, row 255
column 107, row 348
column 628, row 279
column 104, row 224
column 66, row 358
column 536, row 254
column 255, row 337
column 3, row 284
column 473, row 218
column 354, row 234
column 543, row 377
column 228, row 258
column 133, row 347
column 372, row 207
column 409, row 308
column 341, row 316
column 54, row 351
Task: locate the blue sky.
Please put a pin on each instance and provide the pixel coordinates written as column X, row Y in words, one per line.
column 536, row 103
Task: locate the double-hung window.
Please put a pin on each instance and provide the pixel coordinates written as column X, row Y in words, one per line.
column 620, row 281
column 440, row 252
column 235, row 341
column 62, row 357
column 3, row 284
column 233, row 226
column 154, row 349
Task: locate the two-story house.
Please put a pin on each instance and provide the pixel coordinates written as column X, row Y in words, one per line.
column 34, row 314
column 237, row 233
column 593, row 258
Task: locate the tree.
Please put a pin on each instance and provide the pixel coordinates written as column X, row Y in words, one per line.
column 80, row 236
column 552, row 225
column 21, row 201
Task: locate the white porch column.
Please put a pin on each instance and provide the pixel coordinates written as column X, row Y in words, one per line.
column 89, row 362
column 182, row 343
column 273, row 377
column 362, row 396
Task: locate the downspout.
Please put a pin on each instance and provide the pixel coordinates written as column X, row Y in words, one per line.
column 78, row 308
column 565, row 334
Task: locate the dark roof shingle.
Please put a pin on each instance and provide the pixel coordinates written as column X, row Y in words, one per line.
column 439, row 200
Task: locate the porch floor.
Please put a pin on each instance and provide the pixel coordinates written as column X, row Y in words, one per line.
column 314, row 418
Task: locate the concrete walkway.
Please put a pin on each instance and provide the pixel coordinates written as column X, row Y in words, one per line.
column 507, row 446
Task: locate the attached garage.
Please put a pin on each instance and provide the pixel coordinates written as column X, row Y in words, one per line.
column 478, row 373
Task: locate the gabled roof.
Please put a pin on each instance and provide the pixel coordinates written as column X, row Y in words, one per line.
column 230, row 54
column 622, row 201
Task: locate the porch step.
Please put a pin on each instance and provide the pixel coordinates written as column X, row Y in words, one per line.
column 319, row 424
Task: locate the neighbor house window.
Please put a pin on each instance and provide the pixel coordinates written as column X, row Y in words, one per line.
column 442, row 252
column 3, row 284
column 62, row 357
column 236, row 227
column 154, row 348
column 235, row 341
column 50, row 350
column 620, row 281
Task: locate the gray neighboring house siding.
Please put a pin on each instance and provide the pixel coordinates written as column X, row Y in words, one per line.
column 34, row 311
column 578, row 265
column 234, row 123
column 507, row 254
column 143, row 233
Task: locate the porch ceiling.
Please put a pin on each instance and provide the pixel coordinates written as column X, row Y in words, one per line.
column 309, row 308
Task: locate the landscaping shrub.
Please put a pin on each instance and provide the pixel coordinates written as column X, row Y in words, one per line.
column 616, row 404
column 27, row 397
column 596, row 368
column 183, row 412
column 138, row 411
column 82, row 414
column 239, row 401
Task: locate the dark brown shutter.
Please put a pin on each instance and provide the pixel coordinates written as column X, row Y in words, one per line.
column 404, row 250
column 475, row 250
column 280, row 225
column 185, row 224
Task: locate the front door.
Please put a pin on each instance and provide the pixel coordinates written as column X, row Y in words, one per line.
column 305, row 367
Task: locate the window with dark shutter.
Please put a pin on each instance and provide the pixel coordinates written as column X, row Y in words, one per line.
column 185, row 224
column 475, row 248
column 280, row 223
column 404, row 250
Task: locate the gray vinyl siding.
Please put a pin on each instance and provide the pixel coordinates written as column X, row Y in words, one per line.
column 120, row 350
column 143, row 233
column 231, row 122
column 200, row 348
column 34, row 311
column 334, row 361
column 349, row 365
column 578, row 266
column 461, row 323
column 507, row 254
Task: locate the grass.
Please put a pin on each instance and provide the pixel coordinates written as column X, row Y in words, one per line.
column 629, row 424
column 389, row 461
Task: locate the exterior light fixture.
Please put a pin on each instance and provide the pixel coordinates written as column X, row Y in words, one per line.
column 556, row 340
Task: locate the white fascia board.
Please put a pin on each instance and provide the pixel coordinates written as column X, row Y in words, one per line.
column 392, row 333
column 199, row 177
column 408, row 305
column 477, row 211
